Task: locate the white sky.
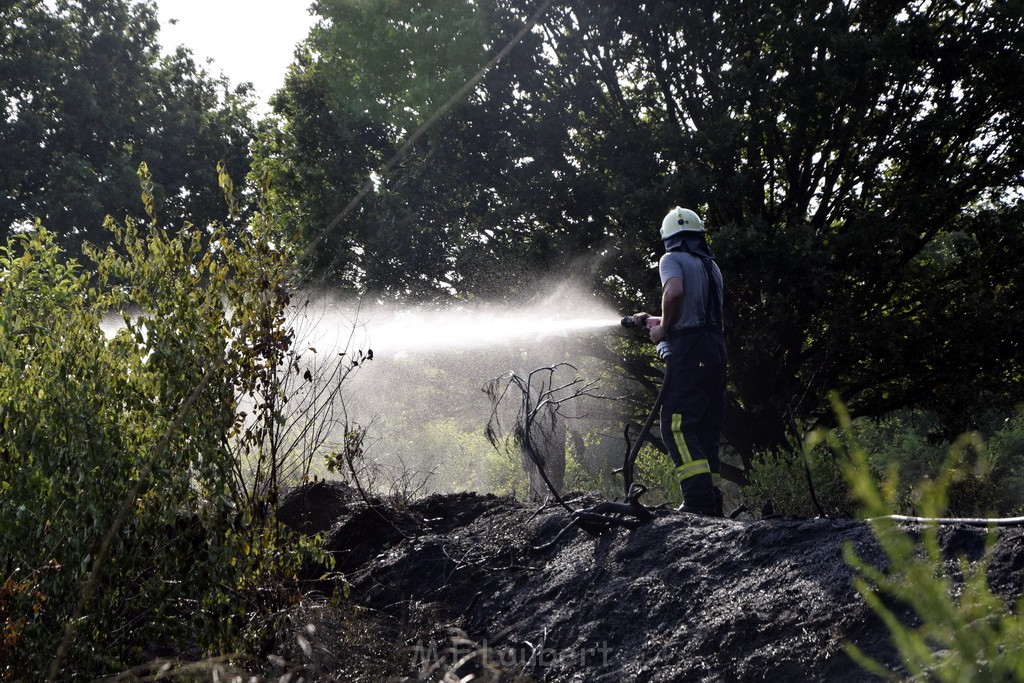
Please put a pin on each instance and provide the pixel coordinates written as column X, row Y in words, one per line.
column 248, row 40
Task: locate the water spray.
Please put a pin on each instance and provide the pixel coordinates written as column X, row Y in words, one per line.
column 663, row 348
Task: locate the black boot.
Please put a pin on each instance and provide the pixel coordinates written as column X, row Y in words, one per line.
column 699, row 496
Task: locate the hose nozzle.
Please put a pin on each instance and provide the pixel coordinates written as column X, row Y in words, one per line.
column 664, row 350
column 651, row 322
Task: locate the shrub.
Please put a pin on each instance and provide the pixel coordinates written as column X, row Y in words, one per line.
column 655, row 470
column 911, row 441
column 1006, row 450
column 139, row 427
column 906, row 444
column 781, row 480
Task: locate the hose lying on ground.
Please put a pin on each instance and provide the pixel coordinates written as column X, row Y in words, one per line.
column 965, row 521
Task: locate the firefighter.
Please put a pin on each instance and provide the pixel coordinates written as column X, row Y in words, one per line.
column 694, row 396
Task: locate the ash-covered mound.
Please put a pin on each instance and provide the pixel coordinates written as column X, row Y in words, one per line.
column 459, row 578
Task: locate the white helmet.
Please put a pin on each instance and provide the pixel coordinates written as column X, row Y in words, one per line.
column 680, row 220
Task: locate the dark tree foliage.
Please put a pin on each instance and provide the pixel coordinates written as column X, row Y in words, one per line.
column 318, row 156
column 858, row 164
column 86, row 97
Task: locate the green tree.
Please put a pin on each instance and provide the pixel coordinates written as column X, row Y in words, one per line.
column 370, row 75
column 856, row 162
column 399, row 59
column 85, row 97
column 318, row 151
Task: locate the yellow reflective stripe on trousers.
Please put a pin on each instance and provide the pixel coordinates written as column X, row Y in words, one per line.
column 677, row 436
column 692, row 469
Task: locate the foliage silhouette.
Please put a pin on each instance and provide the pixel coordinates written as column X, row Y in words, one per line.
column 86, row 97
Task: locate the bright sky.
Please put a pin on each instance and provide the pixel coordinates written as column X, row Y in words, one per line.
column 248, row 40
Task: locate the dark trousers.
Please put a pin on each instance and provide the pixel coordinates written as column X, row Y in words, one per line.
column 692, row 413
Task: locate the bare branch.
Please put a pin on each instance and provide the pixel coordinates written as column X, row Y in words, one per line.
column 542, row 397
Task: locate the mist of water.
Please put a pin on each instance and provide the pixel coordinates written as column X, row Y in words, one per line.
column 422, row 394
column 429, row 332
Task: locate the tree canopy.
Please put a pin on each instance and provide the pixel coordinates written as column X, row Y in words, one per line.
column 86, row 98
column 856, row 163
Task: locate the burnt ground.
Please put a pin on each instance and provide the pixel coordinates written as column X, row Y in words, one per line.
column 455, row 584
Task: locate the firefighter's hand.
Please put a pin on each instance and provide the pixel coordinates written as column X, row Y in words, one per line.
column 640, row 319
column 659, row 333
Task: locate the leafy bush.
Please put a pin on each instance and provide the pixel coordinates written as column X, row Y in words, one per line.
column 910, row 442
column 1006, row 450
column 140, row 427
column 905, row 443
column 963, row 632
column 781, row 480
column 655, row 470
column 471, row 462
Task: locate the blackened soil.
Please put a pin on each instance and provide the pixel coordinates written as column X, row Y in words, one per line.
column 456, row 583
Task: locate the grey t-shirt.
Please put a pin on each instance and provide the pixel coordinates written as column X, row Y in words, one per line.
column 684, row 265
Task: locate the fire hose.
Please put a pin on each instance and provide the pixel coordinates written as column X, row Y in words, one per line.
column 645, row 431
